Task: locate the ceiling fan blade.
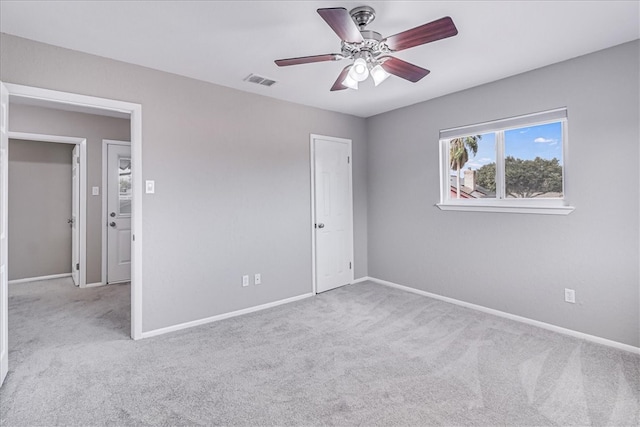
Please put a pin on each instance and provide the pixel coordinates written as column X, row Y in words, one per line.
column 340, row 21
column 436, row 30
column 403, row 69
column 308, row 59
column 338, row 84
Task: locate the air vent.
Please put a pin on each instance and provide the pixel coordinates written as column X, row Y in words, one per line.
column 254, row 78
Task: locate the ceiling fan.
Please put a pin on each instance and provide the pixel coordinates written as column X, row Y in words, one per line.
column 369, row 50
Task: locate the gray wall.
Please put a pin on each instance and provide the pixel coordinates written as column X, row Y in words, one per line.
column 520, row 263
column 39, row 207
column 31, row 119
column 232, row 181
column 232, row 192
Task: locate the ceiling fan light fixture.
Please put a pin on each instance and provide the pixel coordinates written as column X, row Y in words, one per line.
column 350, row 82
column 378, row 74
column 359, row 71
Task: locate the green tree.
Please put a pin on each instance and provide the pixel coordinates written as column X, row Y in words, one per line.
column 532, row 178
column 525, row 178
column 459, row 154
column 486, row 177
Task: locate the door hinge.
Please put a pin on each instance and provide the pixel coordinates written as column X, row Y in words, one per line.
column 78, row 160
column 348, row 159
column 349, row 265
column 78, row 266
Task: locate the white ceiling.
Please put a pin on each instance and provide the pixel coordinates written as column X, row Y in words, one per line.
column 224, row 41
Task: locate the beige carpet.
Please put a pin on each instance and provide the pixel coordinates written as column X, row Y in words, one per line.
column 359, row 355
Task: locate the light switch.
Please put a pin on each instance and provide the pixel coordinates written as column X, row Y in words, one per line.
column 95, row 191
column 150, row 186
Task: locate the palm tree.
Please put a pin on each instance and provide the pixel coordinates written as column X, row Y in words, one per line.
column 459, row 154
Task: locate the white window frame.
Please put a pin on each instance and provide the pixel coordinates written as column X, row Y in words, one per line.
column 555, row 206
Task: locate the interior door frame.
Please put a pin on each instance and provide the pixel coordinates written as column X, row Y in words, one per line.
column 105, row 213
column 4, row 211
column 82, row 199
column 77, row 102
column 312, row 161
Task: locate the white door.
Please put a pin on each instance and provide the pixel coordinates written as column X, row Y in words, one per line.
column 119, row 195
column 75, row 215
column 333, row 212
column 4, row 286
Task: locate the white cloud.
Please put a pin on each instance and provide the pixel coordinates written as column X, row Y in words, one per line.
column 543, row 140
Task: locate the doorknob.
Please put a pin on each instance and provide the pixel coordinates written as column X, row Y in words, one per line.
column 112, row 214
column 321, row 225
column 112, row 224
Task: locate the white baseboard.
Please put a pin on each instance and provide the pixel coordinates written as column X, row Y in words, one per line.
column 93, row 285
column 223, row 316
column 362, row 279
column 543, row 325
column 37, row 279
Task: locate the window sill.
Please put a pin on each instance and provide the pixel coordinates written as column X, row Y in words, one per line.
column 504, row 208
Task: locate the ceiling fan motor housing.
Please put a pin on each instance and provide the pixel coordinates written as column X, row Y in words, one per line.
column 363, row 16
column 370, row 49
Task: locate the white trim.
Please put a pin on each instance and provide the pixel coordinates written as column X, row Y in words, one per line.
column 103, row 219
column 501, row 182
column 4, row 213
column 312, row 181
column 4, row 338
column 105, row 211
column 39, row 278
column 135, row 114
column 566, row 192
column 541, row 117
column 57, row 97
column 543, row 325
column 136, row 223
column 312, row 138
column 211, row 319
column 82, row 197
column 59, row 139
column 546, row 210
column 94, row 285
column 361, row 279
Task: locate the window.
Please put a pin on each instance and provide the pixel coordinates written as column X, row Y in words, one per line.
column 124, row 186
column 510, row 165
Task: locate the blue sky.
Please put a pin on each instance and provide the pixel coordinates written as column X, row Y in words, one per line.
column 543, row 141
column 486, row 153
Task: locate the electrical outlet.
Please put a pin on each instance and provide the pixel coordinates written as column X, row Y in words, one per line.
column 257, row 279
column 245, row 280
column 570, row 295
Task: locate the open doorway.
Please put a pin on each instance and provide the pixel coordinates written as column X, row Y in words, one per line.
column 47, row 200
column 12, row 94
